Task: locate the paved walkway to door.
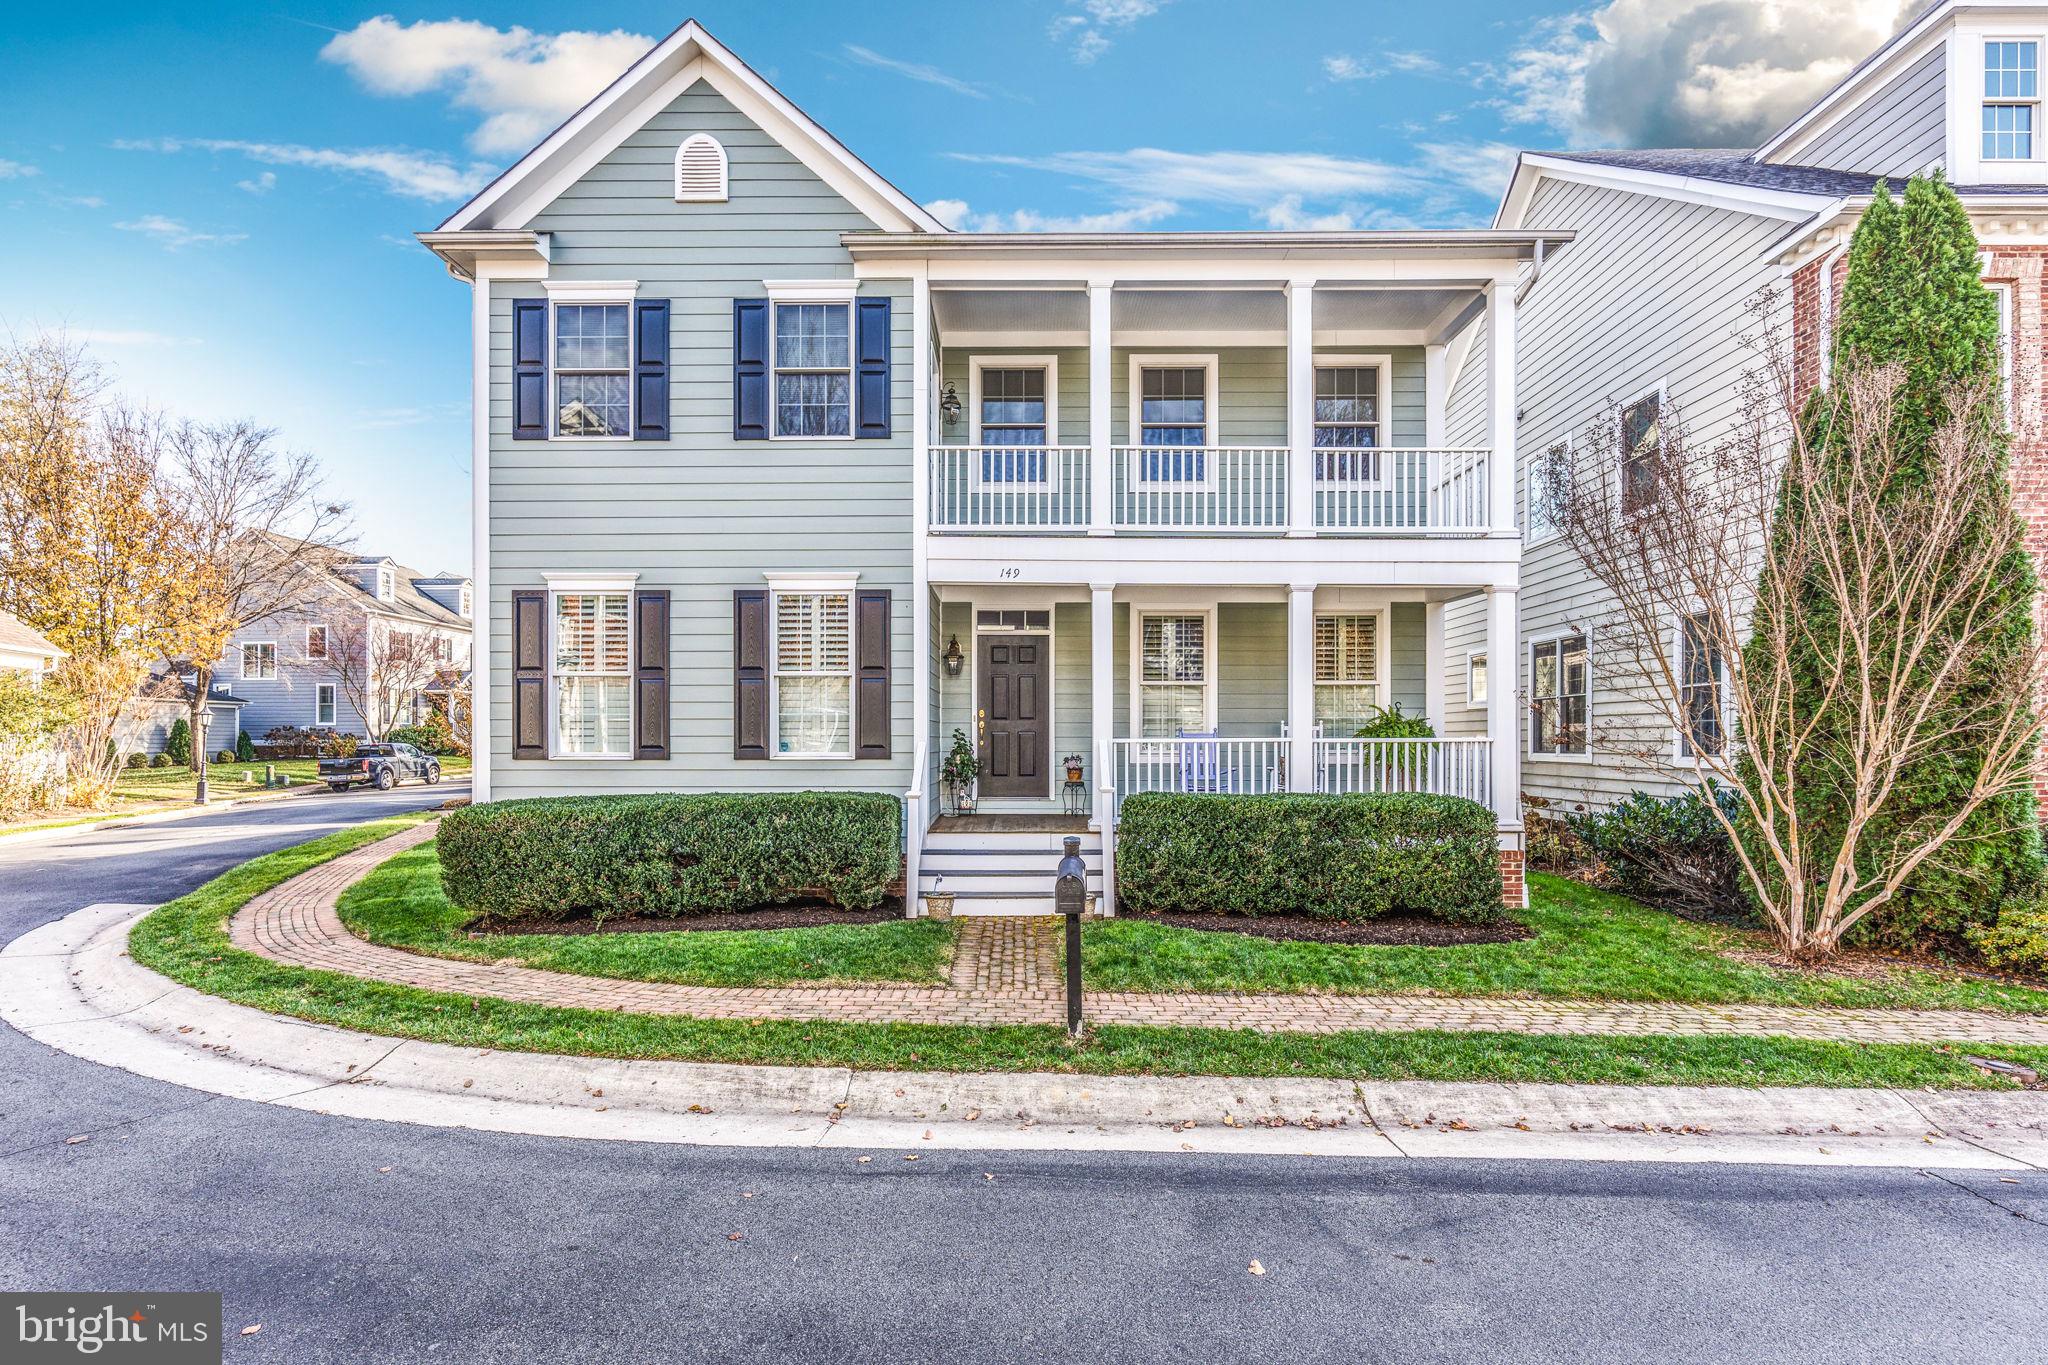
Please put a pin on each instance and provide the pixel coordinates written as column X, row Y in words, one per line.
column 1007, row 972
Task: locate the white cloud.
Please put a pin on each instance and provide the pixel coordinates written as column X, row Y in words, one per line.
column 1687, row 73
column 1343, row 68
column 1415, row 63
column 173, row 234
column 522, row 83
column 1237, row 178
column 262, row 184
column 416, row 175
column 16, row 170
column 917, row 71
column 1482, row 167
column 1088, row 24
column 118, row 336
column 955, row 213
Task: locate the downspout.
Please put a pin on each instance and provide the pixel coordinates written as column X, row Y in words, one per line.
column 1535, row 273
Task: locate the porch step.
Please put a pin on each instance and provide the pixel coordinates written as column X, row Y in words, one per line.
column 1019, row 842
column 1002, row 872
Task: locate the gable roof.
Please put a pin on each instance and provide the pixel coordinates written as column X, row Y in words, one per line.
column 1867, row 73
column 671, row 66
column 17, row 634
column 406, row 598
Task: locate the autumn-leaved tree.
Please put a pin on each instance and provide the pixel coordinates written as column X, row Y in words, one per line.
column 379, row 667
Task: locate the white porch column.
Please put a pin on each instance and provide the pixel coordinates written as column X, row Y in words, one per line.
column 1433, row 676
column 483, row 665
column 1500, row 406
column 1301, row 686
column 1101, row 485
column 1435, row 399
column 1102, row 727
column 1301, row 408
column 918, row 804
column 1503, row 703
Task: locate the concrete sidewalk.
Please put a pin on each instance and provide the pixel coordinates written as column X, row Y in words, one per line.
column 71, row 986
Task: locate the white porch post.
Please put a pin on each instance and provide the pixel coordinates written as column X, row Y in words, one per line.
column 1102, row 726
column 1500, row 406
column 1301, row 687
column 1433, row 664
column 1301, row 407
column 1101, row 484
column 1503, row 704
column 483, row 675
column 1435, row 400
column 917, row 801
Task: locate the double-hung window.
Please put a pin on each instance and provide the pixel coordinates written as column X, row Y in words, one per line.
column 1641, row 451
column 1013, row 419
column 593, row 674
column 323, row 704
column 316, row 642
column 1348, row 415
column 1347, row 658
column 1475, row 679
column 2011, row 99
column 813, row 370
column 593, row 369
column 1701, row 674
column 1559, row 685
column 1173, row 400
column 1549, row 478
column 813, row 641
column 259, row 661
column 1173, row 676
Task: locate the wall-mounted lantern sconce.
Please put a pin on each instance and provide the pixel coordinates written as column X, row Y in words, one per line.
column 949, row 403
column 955, row 660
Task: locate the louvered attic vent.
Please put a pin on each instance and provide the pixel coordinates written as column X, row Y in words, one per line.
column 700, row 170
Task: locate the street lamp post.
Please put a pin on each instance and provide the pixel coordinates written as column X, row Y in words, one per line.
column 199, row 753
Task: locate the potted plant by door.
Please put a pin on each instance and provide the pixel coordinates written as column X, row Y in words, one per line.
column 1073, row 766
column 958, row 773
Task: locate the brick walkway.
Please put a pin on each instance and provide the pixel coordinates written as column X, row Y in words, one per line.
column 1006, row 973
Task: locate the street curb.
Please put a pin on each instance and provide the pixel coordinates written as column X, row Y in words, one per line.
column 71, row 985
column 156, row 817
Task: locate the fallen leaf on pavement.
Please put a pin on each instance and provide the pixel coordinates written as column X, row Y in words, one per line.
column 1256, row 1269
column 74, row 1141
column 910, row 1156
column 252, row 1329
column 863, row 1160
column 735, row 1236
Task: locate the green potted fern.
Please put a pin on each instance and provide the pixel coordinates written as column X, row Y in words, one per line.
column 1399, row 766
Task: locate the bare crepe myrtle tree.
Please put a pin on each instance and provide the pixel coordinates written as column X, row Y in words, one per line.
column 1890, row 578
column 379, row 667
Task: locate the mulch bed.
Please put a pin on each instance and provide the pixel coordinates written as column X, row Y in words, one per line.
column 1414, row 931
column 1870, row 964
column 792, row 915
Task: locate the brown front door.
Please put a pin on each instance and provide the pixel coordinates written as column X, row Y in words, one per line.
column 1015, row 676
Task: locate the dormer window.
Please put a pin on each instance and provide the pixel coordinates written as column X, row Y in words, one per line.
column 2011, row 98
column 465, row 600
column 700, row 170
column 384, row 585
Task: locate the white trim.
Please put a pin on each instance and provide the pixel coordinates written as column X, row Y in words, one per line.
column 1484, row 658
column 1569, row 445
column 1527, row 743
column 1382, row 683
column 1383, row 405
column 580, row 581
column 481, row 678
column 1893, row 56
column 245, row 675
column 1212, row 424
column 1136, row 701
column 333, row 706
column 1049, row 363
column 609, row 294
column 1721, row 690
column 2003, row 291
column 804, row 293
column 1824, row 335
column 1621, row 452
column 811, row 582
column 1979, row 42
column 572, row 585
column 320, row 626
column 1531, row 167
column 591, row 291
column 782, row 585
column 1052, row 691
column 838, row 289
column 723, row 191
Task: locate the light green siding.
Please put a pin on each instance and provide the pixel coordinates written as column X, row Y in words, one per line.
column 1251, row 392
column 1071, row 390
column 1251, row 668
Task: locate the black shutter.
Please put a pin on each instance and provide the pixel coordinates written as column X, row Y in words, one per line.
column 529, row 369
column 750, row 673
column 529, row 674
column 650, row 674
column 871, row 367
column 872, row 720
column 750, row 369
column 650, row 370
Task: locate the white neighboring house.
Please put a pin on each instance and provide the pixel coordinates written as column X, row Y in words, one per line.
column 284, row 667
column 161, row 701
column 23, row 649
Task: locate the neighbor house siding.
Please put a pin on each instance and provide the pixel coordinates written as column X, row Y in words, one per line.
column 699, row 514
column 1899, row 129
column 1465, row 424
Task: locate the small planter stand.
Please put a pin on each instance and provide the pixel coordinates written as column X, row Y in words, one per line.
column 1074, row 797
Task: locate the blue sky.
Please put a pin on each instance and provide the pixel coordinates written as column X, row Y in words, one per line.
column 220, row 203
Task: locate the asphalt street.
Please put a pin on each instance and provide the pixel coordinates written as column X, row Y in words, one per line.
column 358, row 1241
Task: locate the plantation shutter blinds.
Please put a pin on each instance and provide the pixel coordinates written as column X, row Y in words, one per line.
column 1174, row 679
column 650, row 370
column 813, row 673
column 1347, row 661
column 529, row 369
column 750, row 673
column 871, row 368
column 529, row 674
column 871, row 680
column 650, row 674
column 750, row 381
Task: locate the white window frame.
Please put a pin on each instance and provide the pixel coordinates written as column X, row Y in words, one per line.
column 1621, row 453
column 1138, row 683
column 259, row 675
column 841, row 293
column 1532, row 536
column 1381, row 685
column 568, row 585
column 1049, row 604
column 467, row 600
column 804, row 585
column 1051, row 365
column 1383, row 404
column 1477, row 664
column 321, row 628
column 324, row 700
column 1528, row 739
column 579, row 293
column 1985, row 102
column 1212, row 423
column 1679, row 739
column 2002, row 291
column 1825, row 313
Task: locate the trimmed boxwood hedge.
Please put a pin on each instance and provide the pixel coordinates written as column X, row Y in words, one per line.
column 1334, row 857
column 564, row 857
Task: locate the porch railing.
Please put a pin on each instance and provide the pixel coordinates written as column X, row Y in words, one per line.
column 1028, row 489
column 1200, row 488
column 1448, row 767
column 1198, row 766
column 1402, row 491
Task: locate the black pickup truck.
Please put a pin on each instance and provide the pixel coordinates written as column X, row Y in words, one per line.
column 382, row 766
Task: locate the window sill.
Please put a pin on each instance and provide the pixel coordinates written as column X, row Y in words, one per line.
column 589, row 758
column 1535, row 757
column 811, row 758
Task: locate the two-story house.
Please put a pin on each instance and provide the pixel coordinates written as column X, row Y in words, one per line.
column 1648, row 310
column 780, row 484
column 316, row 667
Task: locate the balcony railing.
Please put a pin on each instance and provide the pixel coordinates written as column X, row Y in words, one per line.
column 1447, row 767
column 1402, row 491
column 1200, row 766
column 1207, row 490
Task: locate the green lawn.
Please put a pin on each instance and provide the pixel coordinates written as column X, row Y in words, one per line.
column 228, row 781
column 402, row 904
column 186, row 940
column 1589, row 945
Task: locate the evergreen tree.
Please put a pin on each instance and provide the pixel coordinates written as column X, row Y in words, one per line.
column 178, row 744
column 1913, row 296
column 245, row 748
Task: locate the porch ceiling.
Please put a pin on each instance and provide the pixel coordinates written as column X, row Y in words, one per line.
column 1253, row 313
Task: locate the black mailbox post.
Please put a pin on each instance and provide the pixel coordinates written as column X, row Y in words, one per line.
column 1070, row 898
